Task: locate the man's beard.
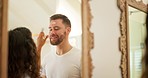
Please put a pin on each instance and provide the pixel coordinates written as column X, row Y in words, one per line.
column 59, row 39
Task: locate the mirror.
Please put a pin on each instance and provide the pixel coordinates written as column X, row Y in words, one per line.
column 137, row 34
column 87, row 36
column 35, row 15
column 131, row 41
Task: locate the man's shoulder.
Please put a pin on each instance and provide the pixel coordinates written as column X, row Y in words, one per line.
column 76, row 52
column 76, row 49
column 48, row 57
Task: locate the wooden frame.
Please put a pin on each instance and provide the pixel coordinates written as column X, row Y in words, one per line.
column 123, row 40
column 3, row 38
column 87, row 39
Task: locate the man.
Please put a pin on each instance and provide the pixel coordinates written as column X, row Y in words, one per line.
column 65, row 61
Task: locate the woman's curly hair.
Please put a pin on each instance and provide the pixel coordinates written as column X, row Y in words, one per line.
column 22, row 56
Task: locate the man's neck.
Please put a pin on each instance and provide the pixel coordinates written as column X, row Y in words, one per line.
column 63, row 48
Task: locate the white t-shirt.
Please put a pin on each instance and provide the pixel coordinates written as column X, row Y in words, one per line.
column 67, row 65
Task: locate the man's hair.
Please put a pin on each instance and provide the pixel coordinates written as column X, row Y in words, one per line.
column 65, row 19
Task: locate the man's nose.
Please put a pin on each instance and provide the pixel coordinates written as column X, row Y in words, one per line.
column 52, row 32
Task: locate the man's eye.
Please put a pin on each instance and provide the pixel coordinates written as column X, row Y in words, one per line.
column 56, row 28
column 50, row 29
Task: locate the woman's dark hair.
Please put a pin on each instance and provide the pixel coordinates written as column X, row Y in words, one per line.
column 25, row 31
column 145, row 57
column 22, row 56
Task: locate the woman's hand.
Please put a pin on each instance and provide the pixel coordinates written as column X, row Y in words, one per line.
column 41, row 40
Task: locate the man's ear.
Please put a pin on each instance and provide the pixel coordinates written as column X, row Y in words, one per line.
column 68, row 29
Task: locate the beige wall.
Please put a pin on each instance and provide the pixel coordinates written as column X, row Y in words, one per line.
column 105, row 25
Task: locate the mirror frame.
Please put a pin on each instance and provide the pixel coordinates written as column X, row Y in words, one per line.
column 123, row 39
column 87, row 39
column 3, row 38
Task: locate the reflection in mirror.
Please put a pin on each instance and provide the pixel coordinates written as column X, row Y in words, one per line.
column 131, row 41
column 137, row 34
column 34, row 14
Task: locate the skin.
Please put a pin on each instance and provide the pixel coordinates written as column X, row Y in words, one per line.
column 58, row 36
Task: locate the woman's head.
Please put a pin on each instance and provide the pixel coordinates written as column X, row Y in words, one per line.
column 25, row 31
column 22, row 56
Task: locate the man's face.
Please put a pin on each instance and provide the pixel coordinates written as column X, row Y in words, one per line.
column 57, row 32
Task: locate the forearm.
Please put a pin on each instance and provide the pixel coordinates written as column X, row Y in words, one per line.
column 39, row 57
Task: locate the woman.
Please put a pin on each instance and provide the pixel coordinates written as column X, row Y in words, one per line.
column 22, row 58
